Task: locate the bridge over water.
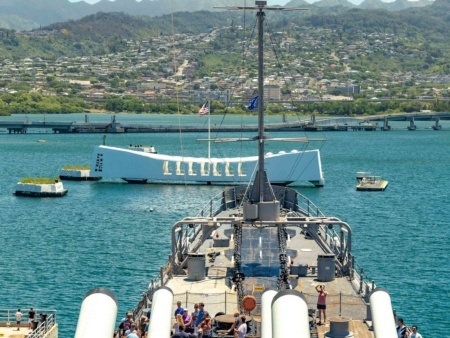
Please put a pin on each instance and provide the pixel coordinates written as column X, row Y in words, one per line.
column 313, row 124
column 368, row 122
column 21, row 127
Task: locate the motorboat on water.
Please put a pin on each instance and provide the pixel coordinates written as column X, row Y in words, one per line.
column 371, row 183
column 263, row 250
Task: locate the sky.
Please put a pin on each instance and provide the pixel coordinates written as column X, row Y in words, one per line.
column 269, row 2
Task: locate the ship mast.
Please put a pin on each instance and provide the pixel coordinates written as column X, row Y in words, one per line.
column 262, row 204
column 261, row 168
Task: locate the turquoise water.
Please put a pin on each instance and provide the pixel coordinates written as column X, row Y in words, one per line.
column 105, row 235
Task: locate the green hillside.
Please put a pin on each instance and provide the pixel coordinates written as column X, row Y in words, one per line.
column 401, row 54
column 424, row 28
column 101, row 33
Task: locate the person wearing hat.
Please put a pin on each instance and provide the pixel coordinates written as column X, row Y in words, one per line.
column 187, row 319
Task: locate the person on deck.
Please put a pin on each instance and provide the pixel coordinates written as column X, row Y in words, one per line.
column 132, row 329
column 31, row 316
column 401, row 328
column 237, row 322
column 194, row 316
column 205, row 326
column 181, row 333
column 414, row 333
column 178, row 310
column 178, row 323
column 187, row 319
column 201, row 313
column 125, row 323
column 18, row 316
column 241, row 331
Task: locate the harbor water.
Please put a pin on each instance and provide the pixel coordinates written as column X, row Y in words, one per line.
column 117, row 235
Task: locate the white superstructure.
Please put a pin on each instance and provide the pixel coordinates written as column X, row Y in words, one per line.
column 138, row 166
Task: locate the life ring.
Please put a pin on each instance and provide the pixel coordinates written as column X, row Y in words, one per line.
column 249, row 303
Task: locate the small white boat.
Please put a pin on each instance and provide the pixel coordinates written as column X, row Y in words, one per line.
column 371, row 183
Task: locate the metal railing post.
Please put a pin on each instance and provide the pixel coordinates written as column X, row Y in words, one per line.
column 352, row 266
column 361, row 282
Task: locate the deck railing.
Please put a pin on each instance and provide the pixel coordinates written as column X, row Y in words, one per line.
column 44, row 326
column 213, row 207
column 234, row 196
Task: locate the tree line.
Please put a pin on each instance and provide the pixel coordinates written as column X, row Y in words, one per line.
column 36, row 103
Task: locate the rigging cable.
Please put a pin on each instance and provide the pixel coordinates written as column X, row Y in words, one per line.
column 299, row 158
column 244, row 34
column 175, row 70
column 217, row 149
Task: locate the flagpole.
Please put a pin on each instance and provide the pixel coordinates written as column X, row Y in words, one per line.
column 209, row 129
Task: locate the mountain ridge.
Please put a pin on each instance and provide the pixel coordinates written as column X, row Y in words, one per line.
column 36, row 13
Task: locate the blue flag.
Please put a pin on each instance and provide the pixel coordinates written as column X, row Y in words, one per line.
column 253, row 103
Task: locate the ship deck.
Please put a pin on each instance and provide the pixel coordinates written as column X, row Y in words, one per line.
column 11, row 331
column 217, row 291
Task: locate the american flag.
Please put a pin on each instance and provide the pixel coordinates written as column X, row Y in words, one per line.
column 204, row 109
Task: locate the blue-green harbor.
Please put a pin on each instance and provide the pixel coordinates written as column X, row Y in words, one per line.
column 117, row 235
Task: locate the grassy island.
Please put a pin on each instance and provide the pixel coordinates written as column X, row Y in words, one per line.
column 39, row 180
column 76, row 167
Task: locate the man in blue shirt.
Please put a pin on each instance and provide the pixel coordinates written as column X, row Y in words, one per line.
column 201, row 313
column 179, row 309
